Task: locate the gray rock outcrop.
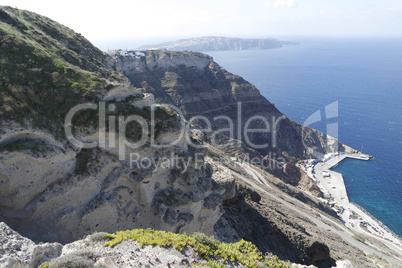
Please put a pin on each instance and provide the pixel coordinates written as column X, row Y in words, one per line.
column 18, row 251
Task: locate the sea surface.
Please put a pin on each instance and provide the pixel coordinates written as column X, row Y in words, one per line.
column 364, row 75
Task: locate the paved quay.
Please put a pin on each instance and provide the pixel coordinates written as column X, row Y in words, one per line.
column 333, row 187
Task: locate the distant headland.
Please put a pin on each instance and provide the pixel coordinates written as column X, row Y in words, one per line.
column 215, row 43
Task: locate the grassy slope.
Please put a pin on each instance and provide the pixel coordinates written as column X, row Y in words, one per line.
column 46, row 68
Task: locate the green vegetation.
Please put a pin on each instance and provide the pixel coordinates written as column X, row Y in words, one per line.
column 83, row 259
column 83, row 157
column 44, row 265
column 46, row 69
column 163, row 119
column 35, row 146
column 212, row 250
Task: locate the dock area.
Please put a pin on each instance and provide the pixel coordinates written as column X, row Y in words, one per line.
column 333, row 187
column 337, row 158
column 333, row 184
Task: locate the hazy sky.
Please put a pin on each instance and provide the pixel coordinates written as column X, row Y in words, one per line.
column 125, row 19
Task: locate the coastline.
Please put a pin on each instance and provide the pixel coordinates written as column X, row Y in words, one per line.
column 366, row 157
column 354, row 217
column 377, row 220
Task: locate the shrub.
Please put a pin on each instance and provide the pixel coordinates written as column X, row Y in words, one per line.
column 98, row 237
column 215, row 252
column 71, row 261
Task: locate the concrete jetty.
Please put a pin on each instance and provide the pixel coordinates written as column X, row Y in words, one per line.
column 333, row 187
column 334, row 183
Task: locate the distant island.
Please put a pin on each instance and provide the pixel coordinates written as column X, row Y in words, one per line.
column 214, row 43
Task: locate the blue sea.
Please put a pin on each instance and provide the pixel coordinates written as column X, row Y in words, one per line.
column 365, row 76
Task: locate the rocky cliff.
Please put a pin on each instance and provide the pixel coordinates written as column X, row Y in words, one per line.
column 213, row 43
column 52, row 190
column 197, row 85
column 136, row 252
column 143, row 139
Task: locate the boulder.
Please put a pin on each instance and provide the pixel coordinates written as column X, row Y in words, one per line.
column 18, row 251
column 318, row 252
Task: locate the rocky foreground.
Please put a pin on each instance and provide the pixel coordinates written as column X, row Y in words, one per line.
column 17, row 251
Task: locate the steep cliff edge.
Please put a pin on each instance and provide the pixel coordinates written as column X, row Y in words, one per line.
column 197, row 85
column 54, row 190
column 59, row 186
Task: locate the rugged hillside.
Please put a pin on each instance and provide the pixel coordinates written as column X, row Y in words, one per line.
column 197, row 85
column 213, row 43
column 54, row 191
column 46, row 69
column 57, row 186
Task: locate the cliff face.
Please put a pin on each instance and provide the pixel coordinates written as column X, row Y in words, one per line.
column 54, row 191
column 213, row 43
column 51, row 190
column 49, row 194
column 197, row 85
